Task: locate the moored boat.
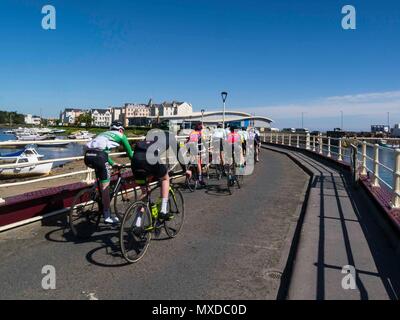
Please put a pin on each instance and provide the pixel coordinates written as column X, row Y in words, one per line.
column 28, row 158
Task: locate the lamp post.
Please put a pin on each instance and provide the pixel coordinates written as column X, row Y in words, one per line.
column 302, row 120
column 223, row 95
column 202, row 115
column 341, row 120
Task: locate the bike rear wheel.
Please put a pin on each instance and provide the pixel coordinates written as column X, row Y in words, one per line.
column 135, row 232
column 84, row 215
column 177, row 207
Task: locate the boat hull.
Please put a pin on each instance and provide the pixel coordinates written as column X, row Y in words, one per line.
column 28, row 171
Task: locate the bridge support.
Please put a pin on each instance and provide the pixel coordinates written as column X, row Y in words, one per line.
column 375, row 178
column 298, row 141
column 396, row 180
column 340, row 154
column 308, row 141
column 313, row 143
column 364, row 159
column 290, row 140
column 329, row 147
column 321, row 146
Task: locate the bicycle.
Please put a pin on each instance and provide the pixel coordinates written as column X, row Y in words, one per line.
column 87, row 207
column 232, row 174
column 141, row 220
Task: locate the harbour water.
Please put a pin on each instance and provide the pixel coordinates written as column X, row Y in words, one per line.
column 71, row 150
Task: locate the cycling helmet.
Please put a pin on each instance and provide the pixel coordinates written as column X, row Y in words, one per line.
column 198, row 127
column 117, row 125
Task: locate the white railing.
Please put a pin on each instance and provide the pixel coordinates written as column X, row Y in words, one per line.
column 89, row 172
column 323, row 145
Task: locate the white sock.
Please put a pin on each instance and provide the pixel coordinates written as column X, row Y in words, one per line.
column 164, row 203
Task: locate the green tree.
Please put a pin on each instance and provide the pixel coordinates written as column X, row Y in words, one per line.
column 85, row 118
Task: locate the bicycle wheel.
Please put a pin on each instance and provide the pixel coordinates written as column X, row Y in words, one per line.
column 177, row 207
column 135, row 232
column 229, row 179
column 123, row 199
column 84, row 215
column 239, row 177
column 191, row 182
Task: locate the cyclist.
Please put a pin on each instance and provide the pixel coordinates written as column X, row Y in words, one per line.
column 254, row 135
column 146, row 162
column 218, row 137
column 195, row 143
column 234, row 139
column 97, row 158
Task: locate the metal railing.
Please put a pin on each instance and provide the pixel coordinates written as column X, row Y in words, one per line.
column 89, row 172
column 340, row 149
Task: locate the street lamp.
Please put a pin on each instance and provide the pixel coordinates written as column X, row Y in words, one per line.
column 341, row 120
column 302, row 120
column 223, row 95
column 202, row 115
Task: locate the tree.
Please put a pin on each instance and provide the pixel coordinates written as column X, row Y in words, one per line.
column 85, row 118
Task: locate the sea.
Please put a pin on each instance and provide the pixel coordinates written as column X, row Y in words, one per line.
column 71, row 150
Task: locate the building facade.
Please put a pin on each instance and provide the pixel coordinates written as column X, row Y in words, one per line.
column 70, row 115
column 101, row 117
column 34, row 120
column 380, row 128
column 135, row 110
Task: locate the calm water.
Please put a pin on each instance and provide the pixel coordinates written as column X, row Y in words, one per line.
column 71, row 150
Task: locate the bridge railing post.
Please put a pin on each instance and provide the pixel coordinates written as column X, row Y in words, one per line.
column 283, row 138
column 290, row 140
column 270, row 138
column 264, row 136
column 308, row 141
column 298, row 141
column 364, row 159
column 396, row 180
column 313, row 143
column 329, row 147
column 277, row 138
column 321, row 146
column 375, row 177
column 340, row 152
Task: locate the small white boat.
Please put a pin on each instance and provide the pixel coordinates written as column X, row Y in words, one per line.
column 55, row 143
column 31, row 137
column 29, row 157
column 81, row 135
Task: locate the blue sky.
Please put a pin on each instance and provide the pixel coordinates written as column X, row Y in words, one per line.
column 275, row 58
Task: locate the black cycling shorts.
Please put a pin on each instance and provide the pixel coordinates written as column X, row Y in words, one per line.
column 98, row 160
column 142, row 169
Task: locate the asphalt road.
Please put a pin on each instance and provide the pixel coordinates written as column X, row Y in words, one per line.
column 226, row 249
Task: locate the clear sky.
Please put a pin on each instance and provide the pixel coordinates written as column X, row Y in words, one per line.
column 275, row 58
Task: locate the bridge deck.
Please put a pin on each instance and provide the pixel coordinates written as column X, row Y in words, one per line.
column 341, row 227
column 227, row 248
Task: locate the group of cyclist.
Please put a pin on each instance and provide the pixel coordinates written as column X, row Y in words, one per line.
column 145, row 157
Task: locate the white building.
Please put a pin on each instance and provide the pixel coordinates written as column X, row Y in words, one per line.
column 70, row 115
column 173, row 108
column 30, row 119
column 101, row 117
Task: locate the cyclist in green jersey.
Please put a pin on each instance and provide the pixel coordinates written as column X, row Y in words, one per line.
column 97, row 158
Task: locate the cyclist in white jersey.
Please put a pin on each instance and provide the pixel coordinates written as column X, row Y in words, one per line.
column 97, row 158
